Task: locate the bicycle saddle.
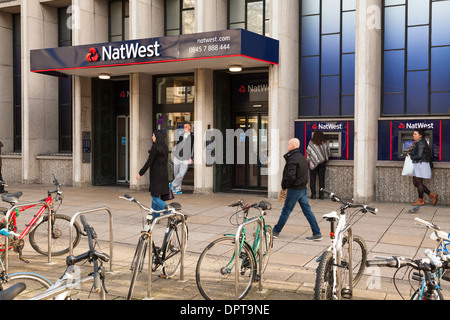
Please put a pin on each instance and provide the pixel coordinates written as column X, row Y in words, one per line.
column 11, row 198
column 175, row 205
column 265, row 205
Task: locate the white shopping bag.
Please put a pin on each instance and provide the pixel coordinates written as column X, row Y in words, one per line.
column 408, row 167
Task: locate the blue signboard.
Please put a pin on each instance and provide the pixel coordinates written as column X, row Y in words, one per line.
column 395, row 137
column 339, row 136
column 226, row 43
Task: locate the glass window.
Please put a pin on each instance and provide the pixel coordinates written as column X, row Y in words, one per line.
column 252, row 15
column 179, row 17
column 119, row 20
column 175, row 90
column 416, row 68
column 327, row 58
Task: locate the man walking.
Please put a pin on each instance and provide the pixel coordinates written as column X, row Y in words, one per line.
column 295, row 179
column 183, row 157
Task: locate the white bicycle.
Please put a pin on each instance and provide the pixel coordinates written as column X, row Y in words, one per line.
column 346, row 252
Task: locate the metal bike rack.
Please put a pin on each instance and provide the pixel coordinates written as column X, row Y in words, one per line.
column 111, row 242
column 8, row 214
column 150, row 248
column 236, row 253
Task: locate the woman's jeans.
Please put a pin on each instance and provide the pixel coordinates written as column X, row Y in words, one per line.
column 292, row 197
column 158, row 205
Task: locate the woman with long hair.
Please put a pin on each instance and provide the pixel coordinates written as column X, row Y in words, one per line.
column 159, row 176
column 317, row 153
column 421, row 156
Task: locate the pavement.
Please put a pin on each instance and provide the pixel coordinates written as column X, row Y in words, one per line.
column 290, row 274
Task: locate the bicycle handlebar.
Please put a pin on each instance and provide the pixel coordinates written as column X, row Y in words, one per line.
column 335, row 197
column 144, row 207
column 420, row 264
column 427, row 224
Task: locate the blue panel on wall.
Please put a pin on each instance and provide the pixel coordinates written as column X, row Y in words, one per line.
column 330, row 96
column 310, row 7
column 440, row 35
column 440, row 103
column 310, row 107
column 394, row 64
column 348, row 106
column 418, row 45
column 331, row 16
column 440, row 69
column 310, row 36
column 348, row 74
column 348, row 32
column 418, row 12
column 393, row 104
column 330, row 54
column 395, row 25
column 310, row 76
column 417, row 95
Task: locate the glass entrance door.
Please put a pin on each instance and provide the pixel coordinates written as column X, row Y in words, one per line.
column 250, row 151
column 123, row 149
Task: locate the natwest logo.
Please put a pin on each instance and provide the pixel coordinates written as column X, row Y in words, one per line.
column 131, row 51
column 93, row 55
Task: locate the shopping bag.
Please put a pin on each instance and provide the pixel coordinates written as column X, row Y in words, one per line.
column 168, row 196
column 408, row 167
column 282, row 195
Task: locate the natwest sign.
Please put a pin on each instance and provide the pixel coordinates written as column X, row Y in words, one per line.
column 131, row 51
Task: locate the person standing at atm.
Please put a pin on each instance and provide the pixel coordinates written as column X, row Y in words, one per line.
column 317, row 153
column 421, row 156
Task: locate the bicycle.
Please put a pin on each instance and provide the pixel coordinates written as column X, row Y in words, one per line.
column 169, row 255
column 71, row 281
column 34, row 283
column 37, row 228
column 434, row 267
column 215, row 272
column 347, row 251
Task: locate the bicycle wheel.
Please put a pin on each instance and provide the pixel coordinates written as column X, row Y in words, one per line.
column 60, row 235
column 215, row 272
column 267, row 244
column 359, row 257
column 137, row 263
column 323, row 289
column 172, row 252
column 36, row 284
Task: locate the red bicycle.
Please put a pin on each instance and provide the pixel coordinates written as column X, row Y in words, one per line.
column 37, row 228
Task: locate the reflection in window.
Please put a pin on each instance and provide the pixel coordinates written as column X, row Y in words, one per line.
column 327, row 57
column 179, row 17
column 416, row 76
column 251, row 15
column 175, row 90
column 119, row 19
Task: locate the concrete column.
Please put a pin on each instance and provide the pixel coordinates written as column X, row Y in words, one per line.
column 6, row 79
column 204, row 119
column 86, row 16
column 367, row 98
column 284, row 83
column 141, row 126
column 39, row 96
column 211, row 15
column 148, row 13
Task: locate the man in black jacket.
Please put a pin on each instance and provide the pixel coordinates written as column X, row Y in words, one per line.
column 295, row 179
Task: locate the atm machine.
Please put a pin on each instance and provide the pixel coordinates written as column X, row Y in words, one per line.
column 406, row 140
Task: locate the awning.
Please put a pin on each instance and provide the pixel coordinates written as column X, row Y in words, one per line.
column 173, row 54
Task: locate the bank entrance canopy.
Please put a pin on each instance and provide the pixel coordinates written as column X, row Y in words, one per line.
column 173, row 54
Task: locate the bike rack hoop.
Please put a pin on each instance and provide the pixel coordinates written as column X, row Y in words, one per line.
column 111, row 241
column 236, row 252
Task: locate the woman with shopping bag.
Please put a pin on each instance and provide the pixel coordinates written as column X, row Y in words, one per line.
column 422, row 159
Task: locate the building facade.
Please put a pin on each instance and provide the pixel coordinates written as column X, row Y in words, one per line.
column 85, row 83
